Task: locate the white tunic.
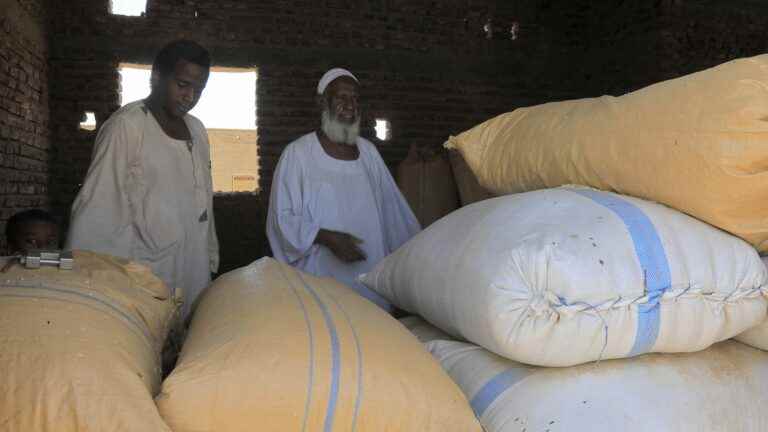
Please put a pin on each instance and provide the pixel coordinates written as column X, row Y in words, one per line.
column 148, row 197
column 312, row 190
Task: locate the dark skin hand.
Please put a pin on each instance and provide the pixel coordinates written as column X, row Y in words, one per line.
column 345, row 247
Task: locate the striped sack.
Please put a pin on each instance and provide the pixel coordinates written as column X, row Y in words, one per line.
column 274, row 349
column 565, row 276
column 721, row 389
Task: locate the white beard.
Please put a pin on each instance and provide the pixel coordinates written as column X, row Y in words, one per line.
column 339, row 132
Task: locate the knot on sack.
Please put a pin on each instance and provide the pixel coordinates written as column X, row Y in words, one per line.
column 541, row 306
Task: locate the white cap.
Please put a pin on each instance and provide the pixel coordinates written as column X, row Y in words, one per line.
column 332, row 75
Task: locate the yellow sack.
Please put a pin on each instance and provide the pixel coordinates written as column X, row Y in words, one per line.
column 274, row 349
column 79, row 349
column 698, row 143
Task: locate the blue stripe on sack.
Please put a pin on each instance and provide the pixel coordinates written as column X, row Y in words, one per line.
column 311, row 379
column 359, row 352
column 141, row 329
column 335, row 356
column 494, row 388
column 653, row 263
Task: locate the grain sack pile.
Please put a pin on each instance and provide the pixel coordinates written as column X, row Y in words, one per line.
column 274, row 349
column 566, row 276
column 424, row 331
column 696, row 143
column 424, row 177
column 757, row 336
column 80, row 348
column 721, row 389
column 469, row 188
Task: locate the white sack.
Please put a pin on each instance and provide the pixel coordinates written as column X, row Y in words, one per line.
column 424, row 331
column 720, row 389
column 756, row 336
column 565, row 276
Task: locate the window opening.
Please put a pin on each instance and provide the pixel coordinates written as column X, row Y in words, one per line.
column 88, row 121
column 382, row 129
column 227, row 108
column 129, row 7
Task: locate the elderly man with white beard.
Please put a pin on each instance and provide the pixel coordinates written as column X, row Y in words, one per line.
column 334, row 209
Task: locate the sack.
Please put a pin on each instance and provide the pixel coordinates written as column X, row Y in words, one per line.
column 721, row 389
column 426, row 180
column 274, row 349
column 566, row 276
column 757, row 336
column 470, row 190
column 80, row 348
column 424, row 331
column 698, row 143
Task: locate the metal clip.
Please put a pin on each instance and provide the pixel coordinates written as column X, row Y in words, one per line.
column 37, row 258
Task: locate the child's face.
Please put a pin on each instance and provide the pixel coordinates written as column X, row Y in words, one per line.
column 35, row 235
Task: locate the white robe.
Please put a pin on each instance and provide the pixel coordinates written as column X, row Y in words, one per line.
column 148, row 197
column 312, row 190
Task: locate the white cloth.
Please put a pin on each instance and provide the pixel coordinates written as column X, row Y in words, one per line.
column 148, row 197
column 331, row 75
column 312, row 190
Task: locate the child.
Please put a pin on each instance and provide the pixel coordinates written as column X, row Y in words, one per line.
column 31, row 229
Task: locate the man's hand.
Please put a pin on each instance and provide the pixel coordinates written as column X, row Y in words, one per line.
column 345, row 247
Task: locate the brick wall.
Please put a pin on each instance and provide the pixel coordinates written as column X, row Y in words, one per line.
column 24, row 138
column 418, row 60
column 240, row 227
column 698, row 35
column 77, row 85
column 425, row 65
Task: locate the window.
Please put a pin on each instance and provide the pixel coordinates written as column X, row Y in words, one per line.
column 228, row 111
column 382, row 129
column 88, row 121
column 129, row 7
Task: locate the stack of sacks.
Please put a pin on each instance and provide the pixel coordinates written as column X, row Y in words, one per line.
column 696, row 143
column 560, row 277
column 469, row 188
column 668, row 143
column 422, row 178
column 758, row 336
column 571, row 275
column 79, row 349
column 424, row 331
column 274, row 349
column 719, row 389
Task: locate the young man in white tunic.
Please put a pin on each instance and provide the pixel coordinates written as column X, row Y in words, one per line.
column 148, row 195
column 334, row 209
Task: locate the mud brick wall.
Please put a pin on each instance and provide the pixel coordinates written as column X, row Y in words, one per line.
column 426, row 66
column 25, row 144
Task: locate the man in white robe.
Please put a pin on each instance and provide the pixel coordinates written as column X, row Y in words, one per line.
column 334, row 208
column 148, row 192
